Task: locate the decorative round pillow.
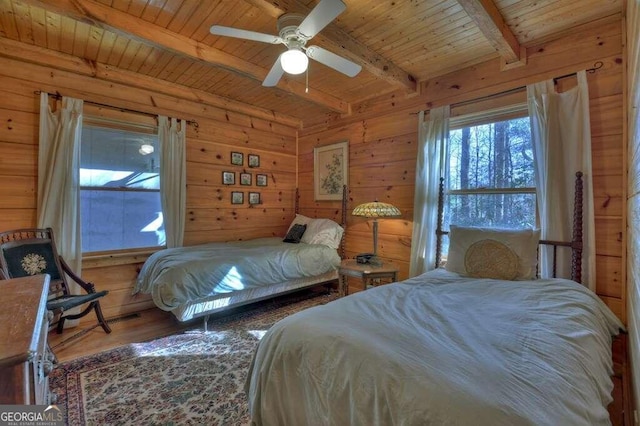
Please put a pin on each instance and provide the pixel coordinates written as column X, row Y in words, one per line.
column 491, row 259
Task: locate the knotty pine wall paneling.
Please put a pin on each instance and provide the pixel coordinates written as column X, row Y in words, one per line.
column 210, row 215
column 633, row 194
column 381, row 167
column 383, row 135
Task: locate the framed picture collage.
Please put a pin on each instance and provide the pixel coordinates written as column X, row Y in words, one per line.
column 245, row 178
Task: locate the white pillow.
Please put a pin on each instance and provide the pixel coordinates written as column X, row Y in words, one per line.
column 320, row 231
column 523, row 242
column 299, row 219
column 323, row 231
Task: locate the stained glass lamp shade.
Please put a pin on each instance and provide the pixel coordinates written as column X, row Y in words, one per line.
column 375, row 210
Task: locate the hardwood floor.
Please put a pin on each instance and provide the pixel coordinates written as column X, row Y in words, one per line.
column 154, row 323
column 620, row 410
column 140, row 327
column 136, row 328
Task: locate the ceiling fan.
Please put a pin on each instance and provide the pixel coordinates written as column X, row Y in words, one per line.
column 294, row 31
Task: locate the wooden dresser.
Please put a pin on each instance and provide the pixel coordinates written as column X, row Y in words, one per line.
column 25, row 360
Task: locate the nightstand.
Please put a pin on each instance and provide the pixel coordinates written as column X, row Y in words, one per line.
column 367, row 273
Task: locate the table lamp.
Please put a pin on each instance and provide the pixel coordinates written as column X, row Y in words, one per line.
column 375, row 210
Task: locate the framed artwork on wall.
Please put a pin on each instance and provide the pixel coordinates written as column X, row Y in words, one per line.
column 254, row 198
column 330, row 170
column 261, row 180
column 237, row 197
column 245, row 178
column 237, row 158
column 254, row 160
column 228, row 178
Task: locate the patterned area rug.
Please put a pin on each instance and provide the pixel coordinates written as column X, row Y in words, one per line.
column 190, row 378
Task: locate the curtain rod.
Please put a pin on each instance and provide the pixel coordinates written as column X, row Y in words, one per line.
column 57, row 95
column 487, row 97
column 596, row 66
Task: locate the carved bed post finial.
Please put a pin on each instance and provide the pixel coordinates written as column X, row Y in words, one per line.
column 576, row 241
column 439, row 231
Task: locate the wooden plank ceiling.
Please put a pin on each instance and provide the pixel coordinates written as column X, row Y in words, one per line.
column 398, row 43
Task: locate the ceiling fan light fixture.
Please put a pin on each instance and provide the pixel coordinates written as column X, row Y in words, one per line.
column 294, row 61
column 294, row 31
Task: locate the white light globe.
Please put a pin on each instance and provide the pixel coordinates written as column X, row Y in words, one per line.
column 146, row 149
column 294, row 61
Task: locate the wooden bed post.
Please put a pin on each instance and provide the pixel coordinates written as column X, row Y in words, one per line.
column 344, row 213
column 439, row 231
column 344, row 219
column 576, row 241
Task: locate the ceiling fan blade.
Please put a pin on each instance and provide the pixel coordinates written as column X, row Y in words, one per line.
column 249, row 35
column 275, row 73
column 334, row 61
column 324, row 12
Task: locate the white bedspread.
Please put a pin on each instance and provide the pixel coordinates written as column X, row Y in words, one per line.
column 180, row 275
column 440, row 350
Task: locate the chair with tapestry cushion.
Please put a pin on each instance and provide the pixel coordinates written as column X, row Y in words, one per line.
column 33, row 251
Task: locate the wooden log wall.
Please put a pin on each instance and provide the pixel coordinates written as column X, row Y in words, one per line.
column 210, row 215
column 633, row 194
column 382, row 136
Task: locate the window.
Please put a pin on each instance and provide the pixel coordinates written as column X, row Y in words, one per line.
column 490, row 179
column 119, row 188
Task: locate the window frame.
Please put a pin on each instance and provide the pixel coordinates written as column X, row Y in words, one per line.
column 120, row 255
column 489, row 116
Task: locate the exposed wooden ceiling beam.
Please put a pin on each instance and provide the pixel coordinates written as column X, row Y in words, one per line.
column 343, row 44
column 489, row 20
column 99, row 15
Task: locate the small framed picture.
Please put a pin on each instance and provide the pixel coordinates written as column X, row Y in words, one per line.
column 245, row 178
column 254, row 198
column 237, row 197
column 228, row 178
column 254, row 160
column 237, row 158
column 261, row 180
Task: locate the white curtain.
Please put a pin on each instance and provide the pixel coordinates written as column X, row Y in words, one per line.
column 432, row 139
column 58, row 177
column 173, row 178
column 560, row 129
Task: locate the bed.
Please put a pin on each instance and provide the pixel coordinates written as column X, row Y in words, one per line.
column 196, row 281
column 483, row 341
column 419, row 352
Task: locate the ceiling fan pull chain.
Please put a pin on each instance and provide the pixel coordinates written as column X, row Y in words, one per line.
column 306, row 90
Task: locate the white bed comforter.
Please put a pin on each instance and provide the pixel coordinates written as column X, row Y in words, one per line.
column 440, row 350
column 180, row 275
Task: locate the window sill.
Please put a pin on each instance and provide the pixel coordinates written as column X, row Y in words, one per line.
column 100, row 260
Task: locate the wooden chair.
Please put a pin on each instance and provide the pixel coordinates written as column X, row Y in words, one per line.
column 33, row 251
